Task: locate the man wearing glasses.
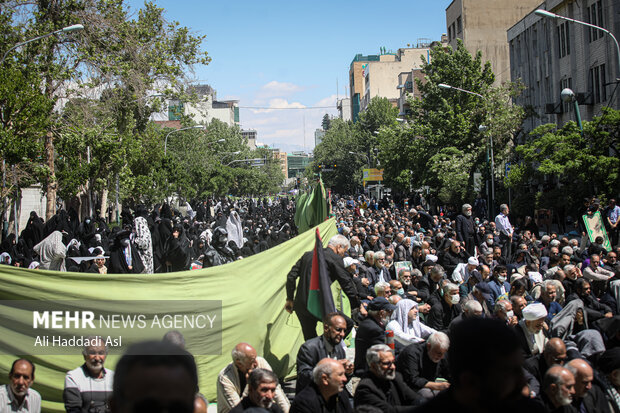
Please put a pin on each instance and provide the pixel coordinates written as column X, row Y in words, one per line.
column 88, row 388
column 318, row 348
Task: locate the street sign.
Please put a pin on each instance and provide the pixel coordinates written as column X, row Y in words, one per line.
column 373, row 174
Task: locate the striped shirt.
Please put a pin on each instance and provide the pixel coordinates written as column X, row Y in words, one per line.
column 8, row 402
column 84, row 393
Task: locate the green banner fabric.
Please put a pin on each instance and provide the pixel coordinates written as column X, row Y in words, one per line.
column 252, row 294
column 312, row 209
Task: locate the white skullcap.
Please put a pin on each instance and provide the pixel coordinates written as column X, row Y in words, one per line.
column 473, row 261
column 515, row 276
column 431, row 257
column 534, row 311
column 535, row 276
column 348, row 261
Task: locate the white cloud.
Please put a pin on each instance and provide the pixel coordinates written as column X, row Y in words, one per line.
column 328, row 101
column 279, row 103
column 278, row 89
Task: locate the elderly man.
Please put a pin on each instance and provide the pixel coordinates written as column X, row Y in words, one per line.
column 318, row 348
column 530, row 330
column 553, row 353
column 594, row 271
column 594, row 308
column 485, row 372
column 453, row 257
column 503, row 311
column 371, row 331
column 466, row 230
column 17, row 396
column 383, row 289
column 383, row 387
column 548, row 293
column 334, row 253
column 422, row 364
column 88, row 388
column 154, row 376
column 326, row 392
column 381, row 272
column 443, row 312
column 406, row 279
column 471, row 309
column 558, row 390
column 232, row 380
column 589, row 397
column 262, row 388
column 463, row 272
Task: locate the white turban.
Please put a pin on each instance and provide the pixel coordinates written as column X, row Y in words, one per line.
column 431, row 257
column 534, row 311
column 348, row 261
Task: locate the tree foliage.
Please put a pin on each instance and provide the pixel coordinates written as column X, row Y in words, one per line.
column 567, row 162
column 441, row 145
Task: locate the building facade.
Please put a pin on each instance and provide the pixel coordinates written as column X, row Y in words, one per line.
column 250, row 136
column 408, row 88
column 344, row 109
column 549, row 55
column 318, row 136
column 379, row 75
column 482, row 25
column 297, row 164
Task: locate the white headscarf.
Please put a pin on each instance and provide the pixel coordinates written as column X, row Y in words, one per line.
column 235, row 229
column 401, row 315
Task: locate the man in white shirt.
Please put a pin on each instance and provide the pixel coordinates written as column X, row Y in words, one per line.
column 505, row 231
column 17, row 396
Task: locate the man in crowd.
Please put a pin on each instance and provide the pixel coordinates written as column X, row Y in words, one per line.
column 297, row 297
column 17, row 396
column 382, row 386
column 326, row 392
column 504, row 227
column 466, row 231
column 262, row 388
column 594, row 308
column 233, row 379
column 548, row 294
column 422, row 364
column 503, row 311
column 446, row 310
column 318, row 348
column 371, row 331
column 88, row 388
column 558, row 390
column 589, row 397
column 485, row 372
column 553, row 353
column 530, row 330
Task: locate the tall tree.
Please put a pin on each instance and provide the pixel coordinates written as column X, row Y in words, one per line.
column 442, row 146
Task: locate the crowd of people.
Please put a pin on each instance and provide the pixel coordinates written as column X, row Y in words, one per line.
column 210, row 233
column 449, row 313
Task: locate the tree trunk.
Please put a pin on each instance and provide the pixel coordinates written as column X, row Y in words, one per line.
column 104, row 202
column 52, row 185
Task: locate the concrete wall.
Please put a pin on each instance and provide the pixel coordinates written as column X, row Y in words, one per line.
column 484, row 24
column 32, row 200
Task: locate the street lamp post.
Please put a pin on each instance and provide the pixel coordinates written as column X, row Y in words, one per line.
column 68, row 29
column 178, row 130
column 550, row 15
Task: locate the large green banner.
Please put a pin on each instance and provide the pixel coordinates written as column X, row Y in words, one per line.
column 247, row 297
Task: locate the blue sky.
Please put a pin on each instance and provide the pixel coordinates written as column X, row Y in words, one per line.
column 293, row 53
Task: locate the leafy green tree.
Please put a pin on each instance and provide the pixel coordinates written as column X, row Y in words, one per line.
column 563, row 161
column 326, row 122
column 441, row 145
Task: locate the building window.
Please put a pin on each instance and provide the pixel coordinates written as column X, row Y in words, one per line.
column 563, row 39
column 566, row 83
column 459, row 25
column 595, row 17
column 597, row 84
column 449, row 33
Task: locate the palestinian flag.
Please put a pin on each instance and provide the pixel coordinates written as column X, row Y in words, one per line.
column 320, row 300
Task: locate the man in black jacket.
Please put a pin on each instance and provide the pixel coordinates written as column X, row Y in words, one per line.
column 445, row 308
column 334, row 253
column 371, row 331
column 318, row 348
column 326, row 393
column 592, row 305
column 589, row 397
column 466, row 230
column 382, row 386
column 421, row 364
